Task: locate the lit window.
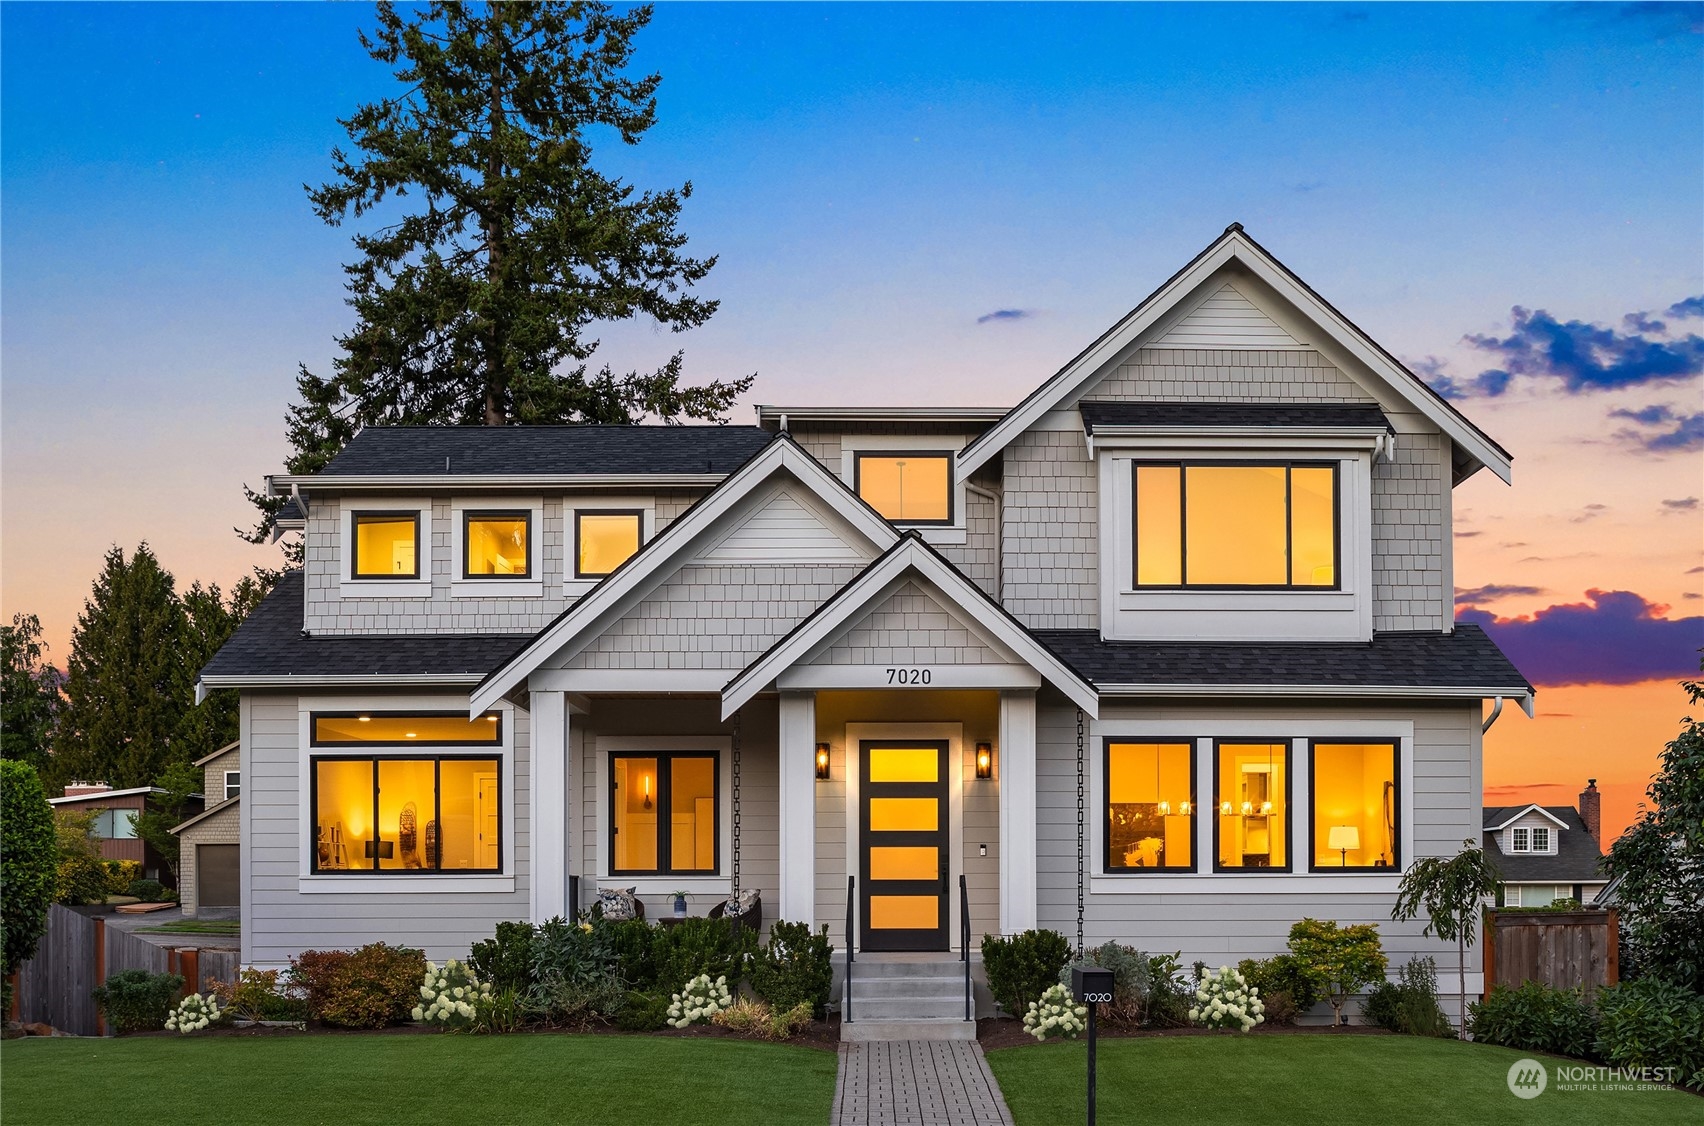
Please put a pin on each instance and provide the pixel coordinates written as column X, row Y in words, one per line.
column 388, row 814
column 1236, row 525
column 1150, row 806
column 387, row 545
column 604, row 541
column 1354, row 806
column 495, row 544
column 1251, row 786
column 426, row 729
column 907, row 488
column 663, row 814
column 233, row 784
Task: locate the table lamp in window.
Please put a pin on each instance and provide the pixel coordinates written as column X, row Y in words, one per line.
column 1343, row 838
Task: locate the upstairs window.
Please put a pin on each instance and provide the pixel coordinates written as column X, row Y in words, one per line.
column 387, row 545
column 1535, row 838
column 1219, row 525
column 497, row 544
column 907, row 488
column 233, row 784
column 1540, row 838
column 1522, row 840
column 604, row 540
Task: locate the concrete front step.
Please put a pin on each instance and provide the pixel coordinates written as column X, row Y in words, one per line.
column 906, row 987
column 908, row 1008
column 862, row 1031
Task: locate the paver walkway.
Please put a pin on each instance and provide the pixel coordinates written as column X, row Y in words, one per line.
column 917, row 1083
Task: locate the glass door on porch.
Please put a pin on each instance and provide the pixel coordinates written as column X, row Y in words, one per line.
column 903, row 845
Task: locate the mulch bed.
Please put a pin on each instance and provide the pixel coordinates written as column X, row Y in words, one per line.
column 1005, row 1032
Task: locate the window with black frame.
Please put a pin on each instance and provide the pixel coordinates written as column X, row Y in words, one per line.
column 1150, row 805
column 664, row 815
column 1235, row 525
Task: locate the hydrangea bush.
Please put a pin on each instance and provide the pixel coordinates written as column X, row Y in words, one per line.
column 193, row 1013
column 451, row 995
column 1056, row 1014
column 1225, row 999
column 699, row 1001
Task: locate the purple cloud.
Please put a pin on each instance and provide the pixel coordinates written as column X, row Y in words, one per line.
column 1618, row 638
column 1493, row 591
column 1683, row 433
column 1004, row 315
column 1681, row 504
column 1690, row 307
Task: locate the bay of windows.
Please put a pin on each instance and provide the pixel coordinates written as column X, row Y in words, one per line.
column 664, row 815
column 1230, row 525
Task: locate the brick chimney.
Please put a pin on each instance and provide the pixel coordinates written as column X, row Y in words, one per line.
column 1591, row 810
column 76, row 789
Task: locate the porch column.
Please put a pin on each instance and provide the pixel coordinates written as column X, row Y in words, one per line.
column 1017, row 812
column 797, row 739
column 549, row 805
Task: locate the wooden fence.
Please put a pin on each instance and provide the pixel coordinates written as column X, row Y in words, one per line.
column 1567, row 949
column 78, row 952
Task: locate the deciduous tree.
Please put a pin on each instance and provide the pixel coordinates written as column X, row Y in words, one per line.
column 1453, row 893
column 29, row 858
column 29, row 692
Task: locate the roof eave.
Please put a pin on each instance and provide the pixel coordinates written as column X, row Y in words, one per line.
column 371, row 481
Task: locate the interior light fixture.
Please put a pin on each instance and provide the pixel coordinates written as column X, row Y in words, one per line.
column 647, row 780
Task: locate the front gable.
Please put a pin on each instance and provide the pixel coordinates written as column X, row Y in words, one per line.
column 914, row 627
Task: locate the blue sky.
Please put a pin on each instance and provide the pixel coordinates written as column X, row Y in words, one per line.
column 875, row 179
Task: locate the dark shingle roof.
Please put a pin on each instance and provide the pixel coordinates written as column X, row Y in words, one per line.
column 270, row 643
column 1097, row 414
column 1466, row 658
column 1577, row 859
column 546, row 450
column 291, row 511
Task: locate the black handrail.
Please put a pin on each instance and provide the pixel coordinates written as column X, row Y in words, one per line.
column 846, row 997
column 964, row 941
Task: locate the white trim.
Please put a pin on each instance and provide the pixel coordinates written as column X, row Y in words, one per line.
column 1015, row 769
column 662, row 885
column 310, row 881
column 850, row 601
column 768, row 411
column 1237, row 440
column 227, row 788
column 1532, row 808
column 796, row 807
column 953, row 733
column 1074, row 379
column 851, row 445
column 665, row 552
column 132, row 792
column 472, row 481
column 646, row 681
column 1204, row 728
column 1335, row 691
column 820, row 677
column 572, row 585
column 547, row 796
column 348, row 587
column 492, row 586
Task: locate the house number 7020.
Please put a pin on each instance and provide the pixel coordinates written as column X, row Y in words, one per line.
column 909, row 676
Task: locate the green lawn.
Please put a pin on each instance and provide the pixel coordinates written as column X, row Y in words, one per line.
column 393, row 1080
column 198, row 926
column 1269, row 1079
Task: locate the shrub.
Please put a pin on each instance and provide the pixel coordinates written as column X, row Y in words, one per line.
column 451, row 996
column 1224, row 999
column 755, row 1018
column 1535, row 1017
column 148, row 891
column 502, row 1011
column 29, row 861
column 700, row 1000
column 1653, row 1022
column 506, row 960
column 1410, row 1004
column 193, row 1013
column 643, row 1012
column 700, row 946
column 573, row 975
column 255, row 995
column 366, row 988
column 137, row 1001
column 80, row 877
column 1131, row 980
column 795, row 968
column 634, row 944
column 1054, row 1013
column 1169, row 994
column 1021, row 968
column 1339, row 961
column 1283, row 974
column 120, row 874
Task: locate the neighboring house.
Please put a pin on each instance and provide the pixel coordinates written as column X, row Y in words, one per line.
column 1547, row 852
column 115, row 822
column 1167, row 648
column 210, row 849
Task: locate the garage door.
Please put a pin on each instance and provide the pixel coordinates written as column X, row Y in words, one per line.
column 216, row 875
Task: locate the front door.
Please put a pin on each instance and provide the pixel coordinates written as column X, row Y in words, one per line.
column 902, row 821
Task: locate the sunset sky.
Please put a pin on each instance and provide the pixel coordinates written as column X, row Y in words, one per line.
column 1510, row 198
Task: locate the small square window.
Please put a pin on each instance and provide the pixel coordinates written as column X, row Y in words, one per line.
column 387, row 545
column 605, row 540
column 496, row 545
column 233, row 784
column 1522, row 840
column 907, row 488
column 1540, row 838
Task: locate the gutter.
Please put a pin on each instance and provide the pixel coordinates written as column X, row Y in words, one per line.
column 999, row 532
column 296, row 482
column 1421, row 692
column 209, row 684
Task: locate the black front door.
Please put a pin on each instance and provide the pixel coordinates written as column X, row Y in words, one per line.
column 902, row 824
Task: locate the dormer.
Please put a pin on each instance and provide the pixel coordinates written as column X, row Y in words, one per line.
column 1529, row 831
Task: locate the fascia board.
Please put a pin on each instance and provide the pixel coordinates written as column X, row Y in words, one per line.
column 1531, row 808
column 496, row 481
column 1345, row 691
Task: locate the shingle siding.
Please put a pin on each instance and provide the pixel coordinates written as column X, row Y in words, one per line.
column 1229, row 375
column 1051, row 532
column 909, row 627
column 1410, row 536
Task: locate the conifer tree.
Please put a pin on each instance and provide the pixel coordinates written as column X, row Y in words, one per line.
column 29, row 692
column 503, row 245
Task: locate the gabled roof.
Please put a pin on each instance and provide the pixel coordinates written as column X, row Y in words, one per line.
column 660, row 557
column 228, row 803
column 1220, row 415
column 225, row 750
column 1234, row 245
column 909, row 556
column 472, row 451
column 100, row 794
column 1498, row 817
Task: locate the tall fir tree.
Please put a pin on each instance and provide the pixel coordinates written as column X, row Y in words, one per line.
column 208, row 620
column 476, row 305
column 124, row 698
column 29, row 692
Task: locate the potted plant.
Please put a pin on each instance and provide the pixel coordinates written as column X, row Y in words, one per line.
column 680, row 905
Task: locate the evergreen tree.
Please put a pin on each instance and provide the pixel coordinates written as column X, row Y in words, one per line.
column 208, row 621
column 124, row 695
column 29, row 692
column 476, row 305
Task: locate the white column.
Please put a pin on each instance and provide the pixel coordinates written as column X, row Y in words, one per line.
column 1015, row 768
column 549, row 805
column 798, row 807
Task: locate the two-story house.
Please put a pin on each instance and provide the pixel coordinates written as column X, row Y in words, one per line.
column 1547, row 853
column 1163, row 654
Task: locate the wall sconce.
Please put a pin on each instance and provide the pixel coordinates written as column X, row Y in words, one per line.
column 984, row 761
column 822, row 762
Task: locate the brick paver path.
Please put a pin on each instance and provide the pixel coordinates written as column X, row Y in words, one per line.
column 917, row 1083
